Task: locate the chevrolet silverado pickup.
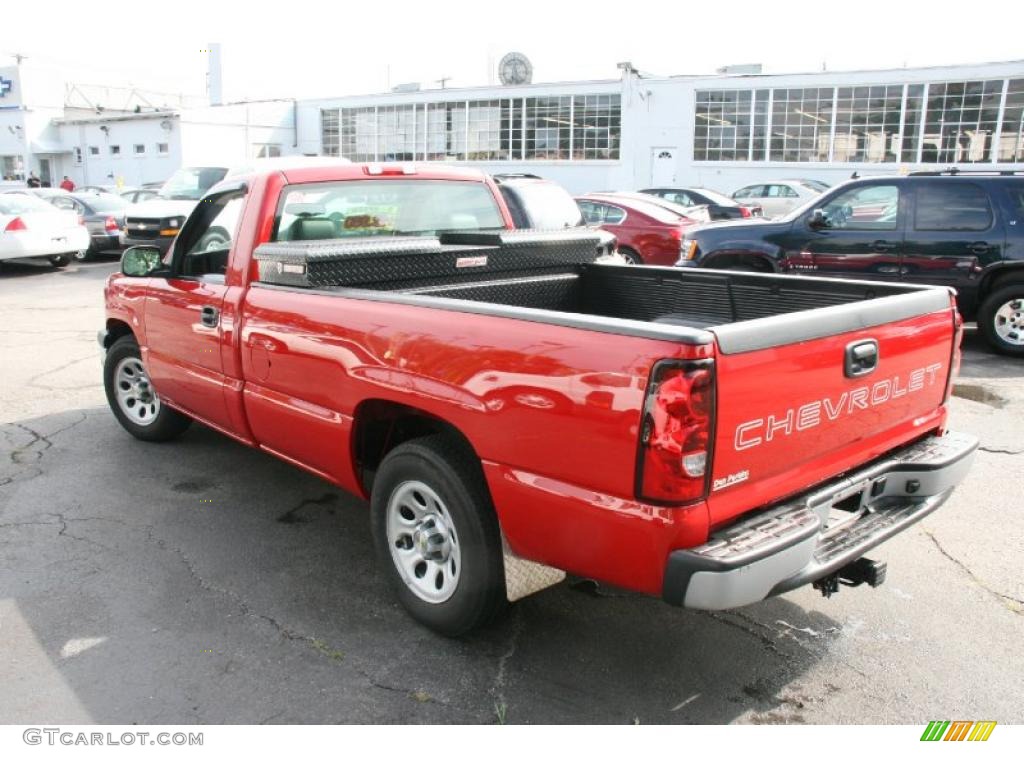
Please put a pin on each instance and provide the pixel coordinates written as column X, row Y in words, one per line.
column 514, row 411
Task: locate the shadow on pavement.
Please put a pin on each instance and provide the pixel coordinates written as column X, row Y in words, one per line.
column 204, row 582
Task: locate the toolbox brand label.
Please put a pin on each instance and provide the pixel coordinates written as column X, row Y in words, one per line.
column 471, row 261
column 810, row 415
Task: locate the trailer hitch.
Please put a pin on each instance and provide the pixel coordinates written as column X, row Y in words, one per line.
column 861, row 571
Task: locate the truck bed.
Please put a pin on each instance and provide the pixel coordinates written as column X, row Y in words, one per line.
column 547, row 277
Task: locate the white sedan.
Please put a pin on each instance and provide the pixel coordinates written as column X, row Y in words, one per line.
column 779, row 197
column 32, row 228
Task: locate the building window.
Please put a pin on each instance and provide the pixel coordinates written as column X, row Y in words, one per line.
column 94, row 151
column 1011, row 141
column 721, row 127
column 161, row 148
column 548, row 127
column 541, row 128
column 801, row 124
column 12, row 167
column 140, row 149
column 115, row 150
column 960, row 121
column 868, row 124
column 78, row 155
column 266, row 150
column 329, row 132
column 596, row 127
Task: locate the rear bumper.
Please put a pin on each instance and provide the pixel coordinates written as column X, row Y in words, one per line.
column 807, row 538
column 28, row 244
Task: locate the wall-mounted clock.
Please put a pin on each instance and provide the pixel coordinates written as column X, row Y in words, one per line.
column 515, row 69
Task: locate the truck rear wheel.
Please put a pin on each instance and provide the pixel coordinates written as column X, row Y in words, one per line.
column 436, row 535
column 1001, row 319
column 133, row 399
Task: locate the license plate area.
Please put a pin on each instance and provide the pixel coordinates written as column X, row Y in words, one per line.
column 851, row 505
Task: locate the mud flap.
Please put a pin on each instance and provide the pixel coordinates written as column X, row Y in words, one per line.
column 524, row 577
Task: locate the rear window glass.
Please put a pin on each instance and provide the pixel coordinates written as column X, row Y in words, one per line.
column 105, row 203
column 653, row 210
column 715, row 197
column 15, row 204
column 345, row 209
column 952, row 207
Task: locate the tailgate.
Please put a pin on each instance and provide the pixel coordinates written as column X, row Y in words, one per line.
column 793, row 415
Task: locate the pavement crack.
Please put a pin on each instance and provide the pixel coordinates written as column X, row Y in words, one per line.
column 744, row 625
column 1002, row 451
column 34, row 381
column 1012, row 603
column 498, row 686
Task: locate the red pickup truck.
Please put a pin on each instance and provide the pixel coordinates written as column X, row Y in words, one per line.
column 514, row 411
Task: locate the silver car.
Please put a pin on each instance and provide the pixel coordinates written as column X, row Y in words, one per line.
column 778, row 198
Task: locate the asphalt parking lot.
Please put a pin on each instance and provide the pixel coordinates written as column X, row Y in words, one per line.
column 204, row 582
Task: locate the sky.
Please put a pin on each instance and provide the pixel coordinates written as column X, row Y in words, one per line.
column 311, row 48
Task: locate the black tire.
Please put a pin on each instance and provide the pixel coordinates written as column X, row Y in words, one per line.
column 60, row 260
column 454, row 474
column 87, row 255
column 990, row 326
column 631, row 256
column 168, row 423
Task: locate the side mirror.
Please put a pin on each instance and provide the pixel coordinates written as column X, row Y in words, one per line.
column 140, row 261
column 818, row 219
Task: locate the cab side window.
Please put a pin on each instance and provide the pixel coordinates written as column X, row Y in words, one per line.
column 870, row 207
column 206, row 249
column 952, row 207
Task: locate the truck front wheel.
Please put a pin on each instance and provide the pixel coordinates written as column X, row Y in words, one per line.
column 436, row 535
column 1001, row 319
column 133, row 399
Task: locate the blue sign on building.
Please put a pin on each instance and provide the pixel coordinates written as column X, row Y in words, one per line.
column 5, row 86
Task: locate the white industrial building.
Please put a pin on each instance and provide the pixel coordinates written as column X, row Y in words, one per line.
column 722, row 131
column 53, row 128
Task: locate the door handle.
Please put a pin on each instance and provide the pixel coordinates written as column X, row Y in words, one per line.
column 861, row 358
column 209, row 316
column 978, row 248
column 882, row 246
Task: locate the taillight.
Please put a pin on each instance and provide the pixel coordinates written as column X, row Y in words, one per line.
column 111, row 224
column 81, row 219
column 676, row 432
column 745, row 212
column 15, row 225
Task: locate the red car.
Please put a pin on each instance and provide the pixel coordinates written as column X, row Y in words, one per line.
column 648, row 232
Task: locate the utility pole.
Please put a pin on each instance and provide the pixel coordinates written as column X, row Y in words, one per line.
column 441, row 81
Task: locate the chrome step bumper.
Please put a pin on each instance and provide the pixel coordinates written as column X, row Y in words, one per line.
column 811, row 536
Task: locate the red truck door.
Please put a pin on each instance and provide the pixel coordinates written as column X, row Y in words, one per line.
column 183, row 312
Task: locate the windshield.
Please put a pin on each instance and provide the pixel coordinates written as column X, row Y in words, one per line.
column 104, row 203
column 715, row 197
column 191, row 183
column 344, row 209
column 15, row 204
column 547, row 206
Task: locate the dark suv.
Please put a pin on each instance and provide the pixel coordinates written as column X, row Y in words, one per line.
column 961, row 229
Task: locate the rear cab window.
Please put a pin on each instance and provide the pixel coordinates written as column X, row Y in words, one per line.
column 952, row 207
column 373, row 208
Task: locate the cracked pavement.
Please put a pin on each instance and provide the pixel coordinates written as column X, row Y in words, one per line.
column 204, row 582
